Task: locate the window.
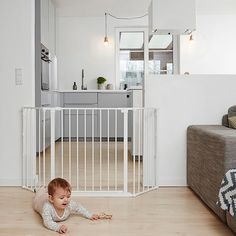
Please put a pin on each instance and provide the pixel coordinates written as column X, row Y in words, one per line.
column 135, row 54
column 131, row 58
column 161, row 54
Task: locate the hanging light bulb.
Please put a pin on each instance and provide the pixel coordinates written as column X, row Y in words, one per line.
column 191, row 37
column 105, row 38
column 106, row 41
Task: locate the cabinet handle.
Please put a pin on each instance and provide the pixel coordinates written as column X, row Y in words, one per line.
column 127, row 96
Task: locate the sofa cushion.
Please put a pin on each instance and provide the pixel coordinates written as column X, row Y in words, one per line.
column 225, row 121
column 225, row 118
column 232, row 122
column 232, row 111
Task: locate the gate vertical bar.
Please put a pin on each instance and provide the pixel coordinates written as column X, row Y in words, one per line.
column 30, row 149
column 34, row 147
column 134, row 151
column 44, row 169
column 69, row 145
column 100, row 152
column 52, row 144
column 92, row 150
column 39, row 154
column 62, row 148
column 108, row 149
column 155, row 146
column 27, row 146
column 24, row 148
column 125, row 112
column 77, row 150
column 116, row 149
column 85, row 153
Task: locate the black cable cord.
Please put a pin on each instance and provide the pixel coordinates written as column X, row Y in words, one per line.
column 127, row 18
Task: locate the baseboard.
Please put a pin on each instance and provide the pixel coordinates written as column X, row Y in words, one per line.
column 10, row 182
column 172, row 182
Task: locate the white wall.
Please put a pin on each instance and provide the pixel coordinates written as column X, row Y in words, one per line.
column 17, row 51
column 183, row 101
column 80, row 46
column 213, row 49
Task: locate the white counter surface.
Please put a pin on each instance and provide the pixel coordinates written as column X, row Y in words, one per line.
column 91, row 91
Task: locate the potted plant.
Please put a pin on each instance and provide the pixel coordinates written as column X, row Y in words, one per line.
column 100, row 82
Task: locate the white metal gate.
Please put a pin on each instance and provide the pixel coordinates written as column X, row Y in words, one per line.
column 100, row 151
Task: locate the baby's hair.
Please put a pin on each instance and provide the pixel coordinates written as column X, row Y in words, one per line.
column 58, row 183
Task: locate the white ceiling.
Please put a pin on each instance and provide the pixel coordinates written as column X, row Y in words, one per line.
column 128, row 8
column 120, row 8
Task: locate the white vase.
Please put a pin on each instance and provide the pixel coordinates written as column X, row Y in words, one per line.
column 101, row 86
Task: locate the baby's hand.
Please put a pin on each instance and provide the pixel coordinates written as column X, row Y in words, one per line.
column 94, row 217
column 63, row 229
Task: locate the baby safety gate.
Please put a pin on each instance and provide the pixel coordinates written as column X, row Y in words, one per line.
column 100, row 151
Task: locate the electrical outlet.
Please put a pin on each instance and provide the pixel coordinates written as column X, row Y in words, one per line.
column 18, row 76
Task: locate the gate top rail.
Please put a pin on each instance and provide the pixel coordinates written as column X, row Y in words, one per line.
column 91, row 108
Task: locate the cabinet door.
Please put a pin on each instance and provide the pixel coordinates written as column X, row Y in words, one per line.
column 111, row 118
column 80, row 98
column 90, row 123
column 45, row 133
column 112, row 100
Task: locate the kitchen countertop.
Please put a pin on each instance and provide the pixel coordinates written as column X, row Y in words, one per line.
column 91, row 91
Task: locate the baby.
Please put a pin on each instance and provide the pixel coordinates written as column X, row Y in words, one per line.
column 55, row 205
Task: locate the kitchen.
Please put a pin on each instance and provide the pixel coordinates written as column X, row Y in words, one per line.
column 69, row 82
column 84, row 35
column 77, row 51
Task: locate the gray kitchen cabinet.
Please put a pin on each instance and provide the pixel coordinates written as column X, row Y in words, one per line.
column 80, row 100
column 107, row 118
column 48, row 99
column 45, row 133
column 56, row 102
column 45, row 102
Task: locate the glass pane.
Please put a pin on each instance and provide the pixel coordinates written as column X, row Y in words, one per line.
column 131, row 58
column 161, row 54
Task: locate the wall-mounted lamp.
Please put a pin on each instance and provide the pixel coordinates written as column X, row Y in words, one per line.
column 105, row 38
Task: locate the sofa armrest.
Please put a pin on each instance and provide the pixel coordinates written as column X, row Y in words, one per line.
column 211, row 151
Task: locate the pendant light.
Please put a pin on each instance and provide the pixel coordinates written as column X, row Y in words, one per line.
column 105, row 38
column 106, row 41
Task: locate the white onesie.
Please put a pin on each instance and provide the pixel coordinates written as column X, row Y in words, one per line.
column 49, row 214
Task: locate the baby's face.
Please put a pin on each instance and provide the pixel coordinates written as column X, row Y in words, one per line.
column 61, row 198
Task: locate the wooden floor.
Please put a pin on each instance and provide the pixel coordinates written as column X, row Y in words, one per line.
column 163, row 212
column 92, row 163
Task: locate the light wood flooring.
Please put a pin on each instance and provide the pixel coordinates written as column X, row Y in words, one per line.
column 111, row 165
column 163, row 212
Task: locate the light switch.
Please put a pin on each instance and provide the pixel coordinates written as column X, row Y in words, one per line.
column 18, row 76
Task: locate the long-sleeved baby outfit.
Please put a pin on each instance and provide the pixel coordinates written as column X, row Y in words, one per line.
column 49, row 214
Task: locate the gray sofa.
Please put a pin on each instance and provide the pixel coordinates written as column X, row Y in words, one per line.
column 211, row 152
